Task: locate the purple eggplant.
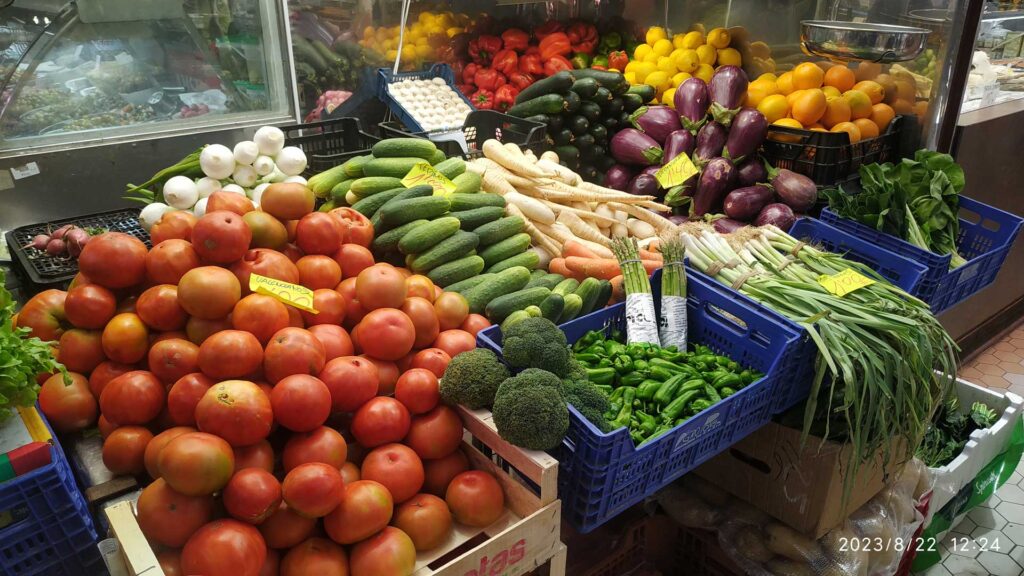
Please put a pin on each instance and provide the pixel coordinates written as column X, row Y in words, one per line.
column 691, row 101
column 715, row 182
column 745, row 203
column 655, row 121
column 778, row 214
column 796, row 190
column 749, row 129
column 727, row 225
column 751, row 171
column 682, row 194
column 631, row 146
column 618, row 176
column 652, row 170
column 643, row 185
column 678, row 142
column 727, row 87
column 710, row 141
column 678, row 219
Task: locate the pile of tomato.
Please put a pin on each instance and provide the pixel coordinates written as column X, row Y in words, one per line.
column 274, row 440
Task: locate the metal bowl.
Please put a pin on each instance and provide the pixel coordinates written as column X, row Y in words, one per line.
column 862, row 41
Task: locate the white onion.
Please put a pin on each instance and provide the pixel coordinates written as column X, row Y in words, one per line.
column 152, row 214
column 206, row 186
column 291, row 160
column 180, row 192
column 234, row 189
column 200, row 208
column 245, row 152
column 270, row 140
column 257, row 192
column 245, row 176
column 264, row 165
column 217, row 161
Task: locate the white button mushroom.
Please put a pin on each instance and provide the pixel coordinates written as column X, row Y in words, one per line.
column 246, row 151
column 217, row 161
column 291, row 160
column 152, row 214
column 180, row 192
column 206, row 186
column 270, row 140
column 245, row 176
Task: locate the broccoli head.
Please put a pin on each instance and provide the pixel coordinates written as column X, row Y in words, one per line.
column 529, row 410
column 529, row 378
column 577, row 371
column 472, row 378
column 589, row 400
column 537, row 343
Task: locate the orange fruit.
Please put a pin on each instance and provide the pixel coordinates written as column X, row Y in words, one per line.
column 850, row 128
column 785, row 84
column 774, row 107
column 882, row 115
column 788, row 123
column 809, row 107
column 840, row 77
column 860, row 103
column 807, row 75
column 867, row 71
column 868, row 129
column 874, row 90
column 901, row 106
column 792, row 96
column 758, row 91
column 837, row 111
column 888, row 84
column 817, row 128
column 921, row 108
column 906, row 89
column 831, row 91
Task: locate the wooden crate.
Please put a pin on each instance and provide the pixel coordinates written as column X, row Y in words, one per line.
column 526, row 537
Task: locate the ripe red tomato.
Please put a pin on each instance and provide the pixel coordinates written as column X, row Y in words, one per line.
column 474, row 323
column 380, row 421
column 452, row 310
column 209, row 292
column 293, row 351
column 43, row 315
column 295, row 318
column 175, row 225
column 426, row 519
column 336, row 341
column 285, row 528
column 364, row 510
column 287, row 201
column 418, row 390
column 157, row 444
column 437, row 474
column 224, row 548
column 387, row 334
column 133, row 398
column 170, row 562
column 196, row 463
column 81, row 350
column 159, row 308
column 330, row 307
column 433, row 359
column 352, row 381
column 169, row 260
column 349, row 472
column 455, row 342
column 301, row 402
column 68, row 408
column 397, row 467
column 260, row 315
column 230, row 354
column 265, row 262
column 313, row 489
column 356, row 227
column 421, row 312
column 105, row 372
column 184, row 396
column 267, row 231
column 252, row 495
column 380, row 286
column 318, row 271
column 435, row 434
column 475, row 498
column 318, row 233
column 125, row 338
column 114, row 260
column 315, row 556
column 198, row 330
column 237, row 411
column 90, row 306
column 169, row 518
column 390, row 551
column 124, row 450
column 387, row 375
column 228, row 202
column 221, row 237
column 323, row 445
column 419, row 286
column 259, row 455
column 104, row 427
column 171, row 359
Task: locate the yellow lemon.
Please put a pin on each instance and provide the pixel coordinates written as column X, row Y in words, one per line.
column 687, row 61
column 425, row 18
column 679, row 78
column 785, row 84
column 652, row 57
column 423, row 51
column 663, row 47
column 641, row 51
column 368, row 32
column 774, row 107
column 706, row 54
column 719, row 38
column 655, row 33
column 667, row 65
column 758, row 91
column 658, row 79
column 391, row 53
column 705, row 72
column 677, row 41
column 667, row 97
column 729, row 57
column 693, row 39
column 631, row 77
column 643, row 69
column 408, row 52
column 631, row 66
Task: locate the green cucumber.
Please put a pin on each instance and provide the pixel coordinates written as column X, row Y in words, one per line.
column 451, row 167
column 494, row 232
column 604, row 294
column 554, row 84
column 394, row 167
column 370, row 185
column 506, row 282
column 534, row 274
column 549, row 281
column 467, row 183
column 552, row 306
column 546, row 104
column 462, row 202
column 571, row 309
column 428, row 235
column 321, row 184
column 499, row 308
column 457, row 246
column 353, row 167
column 588, row 292
column 407, row 210
column 613, row 81
column 340, row 190
column 388, row 241
column 631, row 101
column 326, row 206
column 528, row 260
column 456, row 271
column 415, row 192
column 438, row 157
column 562, row 137
column 585, row 87
column 505, row 249
column 404, row 148
column 646, row 92
column 513, row 319
column 566, row 287
column 477, row 217
column 468, row 283
column 370, row 205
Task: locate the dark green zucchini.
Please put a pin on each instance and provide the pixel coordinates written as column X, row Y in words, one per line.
column 599, row 132
column 546, row 104
column 572, row 101
column 555, row 122
column 613, row 107
column 588, row 172
column 590, row 110
column 602, row 95
column 556, row 84
column 578, row 125
column 562, row 137
column 604, row 163
column 624, row 120
column 613, row 81
column 585, row 142
column 568, row 153
column 585, row 87
column 631, row 102
column 646, row 92
column 611, row 122
column 542, row 118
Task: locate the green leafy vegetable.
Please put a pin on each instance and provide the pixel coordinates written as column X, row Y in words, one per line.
column 951, row 429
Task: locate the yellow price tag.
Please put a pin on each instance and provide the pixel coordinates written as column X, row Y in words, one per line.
column 292, row 294
column 844, row 282
column 677, row 171
column 424, row 173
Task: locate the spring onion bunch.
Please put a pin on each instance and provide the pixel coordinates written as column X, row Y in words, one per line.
column 641, row 321
column 888, row 361
column 672, row 324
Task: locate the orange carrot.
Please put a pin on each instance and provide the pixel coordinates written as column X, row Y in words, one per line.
column 618, row 290
column 647, row 255
column 654, row 247
column 557, row 266
column 574, row 248
column 600, row 268
column 651, row 265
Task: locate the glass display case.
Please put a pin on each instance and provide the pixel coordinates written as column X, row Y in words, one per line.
column 997, row 65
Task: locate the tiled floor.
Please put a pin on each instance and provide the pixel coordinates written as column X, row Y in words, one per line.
column 1000, row 519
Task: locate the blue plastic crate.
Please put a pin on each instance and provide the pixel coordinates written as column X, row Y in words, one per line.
column 986, row 236
column 386, row 77
column 603, row 474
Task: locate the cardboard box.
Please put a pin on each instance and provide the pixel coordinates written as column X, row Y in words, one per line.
column 802, row 487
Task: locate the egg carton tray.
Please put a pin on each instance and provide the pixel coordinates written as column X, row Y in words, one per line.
column 385, row 93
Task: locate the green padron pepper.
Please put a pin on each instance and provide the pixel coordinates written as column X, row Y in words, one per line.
column 601, row 376
column 580, row 60
column 600, row 60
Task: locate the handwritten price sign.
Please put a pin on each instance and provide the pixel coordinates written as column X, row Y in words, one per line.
column 291, row 294
column 844, row 282
column 677, row 171
column 424, row 173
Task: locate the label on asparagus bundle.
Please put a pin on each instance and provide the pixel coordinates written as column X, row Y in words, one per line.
column 672, row 324
column 677, row 171
column 291, row 294
column 844, row 282
column 424, row 173
column 641, row 321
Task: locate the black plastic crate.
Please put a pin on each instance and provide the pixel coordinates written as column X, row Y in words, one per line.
column 828, row 157
column 44, row 271
column 329, row 142
column 481, row 125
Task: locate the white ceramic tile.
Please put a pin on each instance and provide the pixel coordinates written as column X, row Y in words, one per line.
column 993, row 535
column 960, row 544
column 992, row 502
column 1011, row 493
column 1015, row 532
column 999, row 564
column 1018, row 555
column 1014, row 478
column 936, row 570
column 962, row 566
column 966, row 526
column 1012, row 512
column 990, row 518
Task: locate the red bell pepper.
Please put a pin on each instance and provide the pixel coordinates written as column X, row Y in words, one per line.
column 466, row 89
column 505, row 97
column 469, row 72
column 556, row 44
column 489, row 79
column 482, row 49
column 515, row 39
column 598, row 67
column 556, row 64
column 483, row 99
column 548, row 28
column 506, row 61
column 531, row 64
column 521, row 80
column 532, row 50
column 618, row 60
column 582, row 37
